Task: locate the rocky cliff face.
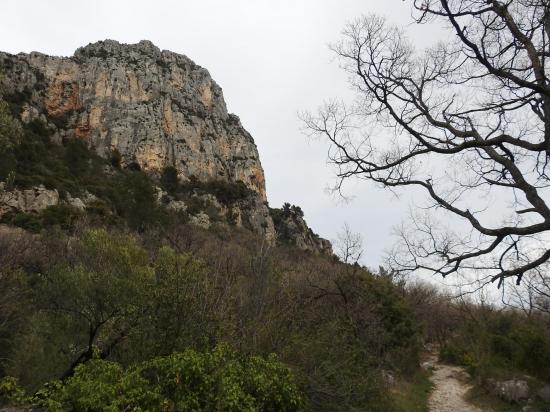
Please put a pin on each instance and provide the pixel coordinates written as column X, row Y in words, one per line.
column 156, row 108
column 292, row 229
column 35, row 199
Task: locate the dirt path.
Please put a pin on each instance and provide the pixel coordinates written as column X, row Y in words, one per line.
column 449, row 389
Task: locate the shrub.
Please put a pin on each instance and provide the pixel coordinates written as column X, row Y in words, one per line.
column 77, row 157
column 136, row 200
column 7, row 164
column 116, row 159
column 27, row 221
column 501, row 343
column 10, row 129
column 39, row 128
column 220, row 379
column 59, row 215
column 11, row 394
column 225, row 192
column 169, row 179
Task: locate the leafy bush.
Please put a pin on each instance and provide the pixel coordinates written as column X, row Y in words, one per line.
column 217, row 380
column 10, row 129
column 77, row 157
column 501, row 342
column 169, row 179
column 60, row 215
column 225, row 192
column 116, row 159
column 27, row 221
column 135, row 200
column 11, row 394
column 455, row 354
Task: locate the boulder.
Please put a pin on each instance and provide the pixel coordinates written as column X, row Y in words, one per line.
column 34, row 199
column 512, row 391
column 388, row 377
column 75, row 202
column 427, row 366
column 544, row 393
column 200, row 219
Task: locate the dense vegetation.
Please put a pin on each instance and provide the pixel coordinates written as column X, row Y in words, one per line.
column 94, row 300
column 219, row 379
column 493, row 344
column 125, row 306
column 105, row 295
column 74, row 170
column 225, row 192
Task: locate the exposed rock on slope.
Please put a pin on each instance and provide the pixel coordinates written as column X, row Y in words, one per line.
column 157, row 108
column 153, row 110
column 34, row 199
column 291, row 228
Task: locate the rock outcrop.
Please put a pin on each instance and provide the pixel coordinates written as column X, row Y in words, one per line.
column 34, row 199
column 205, row 208
column 152, row 110
column 511, row 391
column 156, row 108
column 544, row 393
column 291, row 228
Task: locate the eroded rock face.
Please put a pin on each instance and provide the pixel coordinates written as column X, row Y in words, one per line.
column 250, row 212
column 291, row 228
column 157, row 108
column 34, row 199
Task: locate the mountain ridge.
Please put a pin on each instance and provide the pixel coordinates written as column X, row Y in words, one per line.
column 156, row 111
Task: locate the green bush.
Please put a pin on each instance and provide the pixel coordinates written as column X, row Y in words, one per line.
column 77, row 157
column 169, row 179
column 135, row 200
column 455, row 354
column 27, row 221
column 501, row 343
column 217, row 380
column 8, row 164
column 60, row 215
column 225, row 192
column 116, row 159
column 10, row 129
column 11, row 394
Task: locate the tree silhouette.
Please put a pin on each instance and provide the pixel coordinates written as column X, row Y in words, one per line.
column 466, row 122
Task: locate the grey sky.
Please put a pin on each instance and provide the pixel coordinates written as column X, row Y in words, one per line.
column 271, row 59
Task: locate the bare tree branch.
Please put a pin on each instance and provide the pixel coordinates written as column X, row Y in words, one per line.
column 466, row 121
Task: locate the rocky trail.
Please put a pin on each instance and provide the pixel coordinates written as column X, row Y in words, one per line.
column 450, row 388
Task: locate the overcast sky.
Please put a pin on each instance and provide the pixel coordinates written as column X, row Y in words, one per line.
column 272, row 60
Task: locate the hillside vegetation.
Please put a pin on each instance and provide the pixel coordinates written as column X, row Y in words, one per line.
column 124, row 305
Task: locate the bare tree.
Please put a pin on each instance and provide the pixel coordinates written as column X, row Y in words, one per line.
column 349, row 246
column 466, row 122
column 533, row 295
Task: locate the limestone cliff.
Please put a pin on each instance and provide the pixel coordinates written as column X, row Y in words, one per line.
column 153, row 109
column 156, row 108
